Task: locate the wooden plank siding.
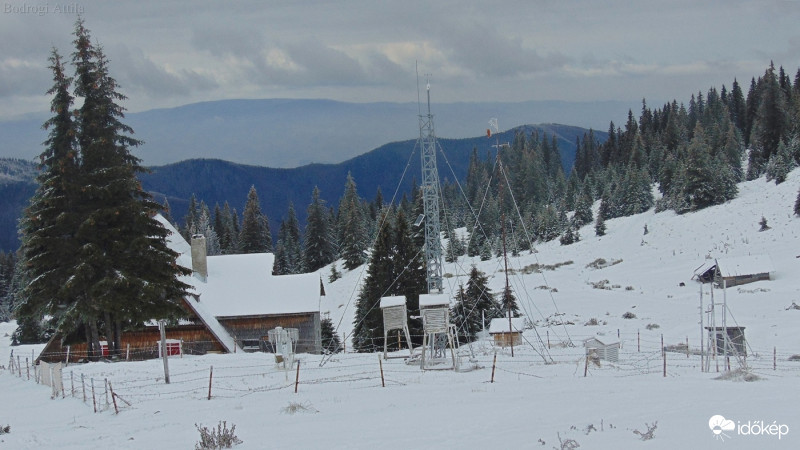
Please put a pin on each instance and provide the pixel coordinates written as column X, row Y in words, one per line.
column 197, row 340
column 251, row 331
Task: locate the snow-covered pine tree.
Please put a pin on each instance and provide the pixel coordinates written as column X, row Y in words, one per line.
column 116, row 267
column 318, row 249
column 368, row 321
column 254, row 237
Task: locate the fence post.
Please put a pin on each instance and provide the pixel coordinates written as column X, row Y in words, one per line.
column 83, row 387
column 548, row 339
column 665, row 362
column 585, row 365
column 638, row 342
column 19, row 367
column 66, row 361
column 687, row 346
column 494, row 364
column 380, row 363
column 210, row 376
column 72, row 384
column 113, row 398
column 297, row 377
column 105, row 383
column 94, row 400
column 27, row 368
column 775, row 358
column 128, row 352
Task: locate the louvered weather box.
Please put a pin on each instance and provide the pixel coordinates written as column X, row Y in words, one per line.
column 395, row 317
column 437, row 330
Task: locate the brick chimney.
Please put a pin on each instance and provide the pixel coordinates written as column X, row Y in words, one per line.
column 199, row 261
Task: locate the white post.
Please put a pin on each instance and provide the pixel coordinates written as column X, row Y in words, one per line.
column 162, row 325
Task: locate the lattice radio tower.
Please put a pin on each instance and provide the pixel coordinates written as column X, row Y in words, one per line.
column 430, row 197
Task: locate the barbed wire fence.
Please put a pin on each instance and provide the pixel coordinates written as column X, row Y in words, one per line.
column 639, row 355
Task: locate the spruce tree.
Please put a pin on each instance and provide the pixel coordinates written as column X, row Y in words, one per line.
column 330, row 339
column 254, row 237
column 49, row 222
column 353, row 240
column 318, row 249
column 368, row 321
column 797, row 204
column 409, row 267
column 508, row 303
column 600, row 226
column 117, row 269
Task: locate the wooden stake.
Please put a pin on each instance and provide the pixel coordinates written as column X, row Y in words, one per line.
column 128, row 352
column 210, row 376
column 383, row 383
column 83, row 387
column 774, row 358
column 27, row 368
column 162, row 326
column 665, row 363
column 19, row 367
column 585, row 366
column 94, row 400
column 548, row 339
column 105, row 383
column 687, row 346
column 494, row 364
column 638, row 342
column 66, row 361
column 72, row 384
column 297, row 377
column 113, row 398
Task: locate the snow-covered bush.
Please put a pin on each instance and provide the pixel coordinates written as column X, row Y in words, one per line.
column 221, row 437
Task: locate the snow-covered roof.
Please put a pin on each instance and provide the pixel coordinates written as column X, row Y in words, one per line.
column 745, row 265
column 243, row 285
column 428, row 300
column 593, row 342
column 500, row 325
column 394, row 300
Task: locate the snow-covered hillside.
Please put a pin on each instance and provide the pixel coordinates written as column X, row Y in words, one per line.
column 341, row 403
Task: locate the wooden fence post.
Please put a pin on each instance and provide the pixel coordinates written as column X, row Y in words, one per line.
column 585, row 365
column 665, row 363
column 494, row 364
column 297, row 377
column 380, row 363
column 638, row 342
column 94, row 400
column 27, row 368
column 775, row 358
column 83, row 387
column 210, row 376
column 113, row 398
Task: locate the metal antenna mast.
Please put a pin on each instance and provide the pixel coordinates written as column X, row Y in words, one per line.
column 430, row 199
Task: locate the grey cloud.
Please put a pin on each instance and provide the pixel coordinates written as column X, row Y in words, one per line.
column 135, row 71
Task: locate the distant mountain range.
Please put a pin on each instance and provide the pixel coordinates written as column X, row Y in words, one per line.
column 288, row 133
column 217, row 180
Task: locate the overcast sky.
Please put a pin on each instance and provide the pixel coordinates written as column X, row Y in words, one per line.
column 169, row 53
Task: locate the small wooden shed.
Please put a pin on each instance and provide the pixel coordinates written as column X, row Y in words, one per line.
column 595, row 348
column 728, row 272
column 503, row 335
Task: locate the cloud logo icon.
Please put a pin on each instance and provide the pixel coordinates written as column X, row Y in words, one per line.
column 719, row 425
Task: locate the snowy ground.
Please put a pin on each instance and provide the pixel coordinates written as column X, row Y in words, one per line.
column 341, row 403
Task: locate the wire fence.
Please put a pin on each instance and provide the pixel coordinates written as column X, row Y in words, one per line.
column 640, row 355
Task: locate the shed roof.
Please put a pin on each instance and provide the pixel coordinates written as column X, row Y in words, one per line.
column 594, row 342
column 394, row 300
column 744, row 265
column 428, row 300
column 500, row 325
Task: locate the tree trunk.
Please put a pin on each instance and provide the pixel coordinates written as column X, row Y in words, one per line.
column 118, row 338
column 97, row 352
column 110, row 336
